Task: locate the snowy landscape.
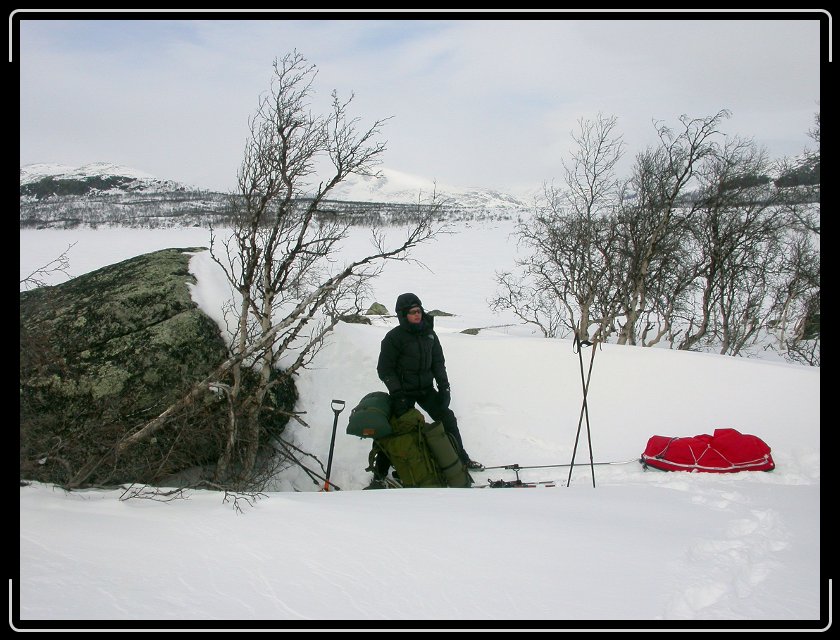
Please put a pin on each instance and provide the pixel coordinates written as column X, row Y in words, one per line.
column 611, row 545
column 485, row 110
column 107, row 194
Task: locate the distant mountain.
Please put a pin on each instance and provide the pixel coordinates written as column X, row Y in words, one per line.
column 101, row 193
column 107, row 194
column 40, row 181
column 397, row 187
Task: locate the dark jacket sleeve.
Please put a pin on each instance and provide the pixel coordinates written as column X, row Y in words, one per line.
column 439, row 365
column 386, row 367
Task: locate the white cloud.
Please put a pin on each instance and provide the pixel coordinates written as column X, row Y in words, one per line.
column 474, row 102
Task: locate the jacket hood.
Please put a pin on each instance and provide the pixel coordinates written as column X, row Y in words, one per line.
column 405, row 301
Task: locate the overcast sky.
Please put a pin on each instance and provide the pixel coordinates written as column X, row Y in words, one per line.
column 474, row 103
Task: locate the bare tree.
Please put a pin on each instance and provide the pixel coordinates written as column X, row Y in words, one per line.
column 281, row 259
column 282, row 247
column 795, row 307
column 566, row 277
column 59, row 265
column 797, row 302
column 737, row 230
column 697, row 248
column 655, row 221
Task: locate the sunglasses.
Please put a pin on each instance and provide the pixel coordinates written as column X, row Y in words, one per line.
column 412, row 312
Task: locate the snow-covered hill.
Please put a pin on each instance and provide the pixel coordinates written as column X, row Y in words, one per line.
column 397, row 187
column 392, row 186
column 34, row 172
column 44, row 180
column 102, row 193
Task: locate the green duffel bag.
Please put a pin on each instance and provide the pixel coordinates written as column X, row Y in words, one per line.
column 371, row 417
column 408, row 452
column 442, row 447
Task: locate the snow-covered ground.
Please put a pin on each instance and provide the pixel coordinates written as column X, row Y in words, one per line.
column 641, row 549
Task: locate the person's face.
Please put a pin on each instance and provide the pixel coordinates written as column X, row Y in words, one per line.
column 414, row 315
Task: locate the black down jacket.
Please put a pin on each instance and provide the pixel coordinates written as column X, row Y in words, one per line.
column 411, row 357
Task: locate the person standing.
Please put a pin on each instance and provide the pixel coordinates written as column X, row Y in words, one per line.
column 411, row 363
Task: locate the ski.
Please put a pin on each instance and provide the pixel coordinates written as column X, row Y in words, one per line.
column 387, row 482
column 392, row 483
column 515, row 484
column 518, row 482
column 516, row 467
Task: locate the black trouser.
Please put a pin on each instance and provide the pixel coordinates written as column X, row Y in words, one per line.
column 429, row 401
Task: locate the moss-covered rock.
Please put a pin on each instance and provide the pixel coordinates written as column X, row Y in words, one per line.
column 106, row 352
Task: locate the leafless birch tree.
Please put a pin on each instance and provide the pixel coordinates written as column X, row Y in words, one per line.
column 565, row 280
column 283, row 247
column 282, row 260
column 738, row 232
column 796, row 325
column 39, row 277
column 655, row 222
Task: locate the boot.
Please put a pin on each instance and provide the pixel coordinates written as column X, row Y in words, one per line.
column 376, row 483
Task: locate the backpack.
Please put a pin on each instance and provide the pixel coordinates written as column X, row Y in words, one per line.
column 422, row 454
column 371, row 417
column 408, row 452
column 726, row 451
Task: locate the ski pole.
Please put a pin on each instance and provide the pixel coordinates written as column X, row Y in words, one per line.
column 337, row 407
column 584, row 410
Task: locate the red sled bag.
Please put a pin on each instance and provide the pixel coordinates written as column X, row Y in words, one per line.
column 726, row 451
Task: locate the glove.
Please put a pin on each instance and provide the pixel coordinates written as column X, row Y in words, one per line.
column 445, row 397
column 400, row 403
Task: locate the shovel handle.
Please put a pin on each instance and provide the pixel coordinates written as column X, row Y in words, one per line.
column 337, row 407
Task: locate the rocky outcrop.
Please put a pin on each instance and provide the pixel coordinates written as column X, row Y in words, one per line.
column 103, row 354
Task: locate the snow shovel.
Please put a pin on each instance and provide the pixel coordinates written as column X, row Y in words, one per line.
column 337, row 407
